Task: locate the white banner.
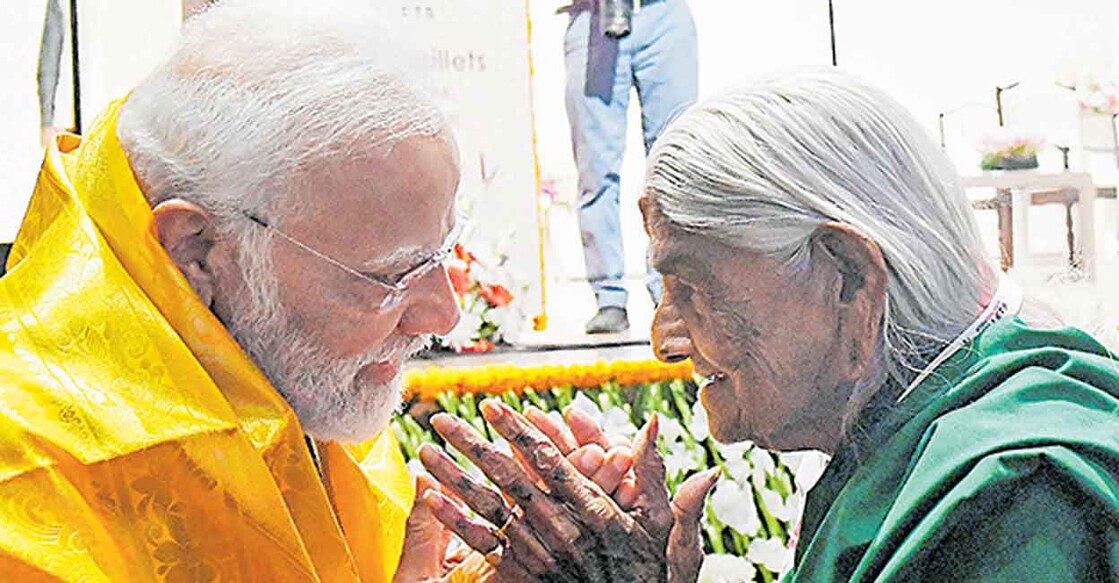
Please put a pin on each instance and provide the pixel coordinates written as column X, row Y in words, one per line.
column 480, row 53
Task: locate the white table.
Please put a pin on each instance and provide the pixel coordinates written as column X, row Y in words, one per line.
column 1022, row 184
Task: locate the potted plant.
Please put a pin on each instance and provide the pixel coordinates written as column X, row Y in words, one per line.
column 1101, row 97
column 1007, row 150
column 1099, row 105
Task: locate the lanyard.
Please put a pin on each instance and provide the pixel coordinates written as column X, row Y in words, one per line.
column 1007, row 301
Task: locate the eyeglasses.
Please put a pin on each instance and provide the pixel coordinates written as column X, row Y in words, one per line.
column 392, row 288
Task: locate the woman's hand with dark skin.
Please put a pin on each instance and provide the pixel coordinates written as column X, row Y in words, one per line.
column 566, row 526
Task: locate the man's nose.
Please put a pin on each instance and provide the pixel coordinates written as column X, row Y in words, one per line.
column 431, row 307
column 671, row 342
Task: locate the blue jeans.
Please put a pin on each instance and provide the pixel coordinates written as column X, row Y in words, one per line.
column 660, row 58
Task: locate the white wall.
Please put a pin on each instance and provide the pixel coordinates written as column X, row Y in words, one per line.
column 20, row 30
column 481, row 79
column 932, row 56
column 120, row 41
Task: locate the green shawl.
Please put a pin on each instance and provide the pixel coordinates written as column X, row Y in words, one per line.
column 1003, row 466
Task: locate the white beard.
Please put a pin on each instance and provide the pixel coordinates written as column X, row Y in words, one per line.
column 322, row 389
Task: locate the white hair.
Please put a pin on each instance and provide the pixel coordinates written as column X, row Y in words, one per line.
column 258, row 90
column 760, row 167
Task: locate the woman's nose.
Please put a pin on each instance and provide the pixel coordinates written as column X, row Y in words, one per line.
column 670, row 339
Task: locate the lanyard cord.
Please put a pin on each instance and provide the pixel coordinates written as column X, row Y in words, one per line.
column 1007, row 301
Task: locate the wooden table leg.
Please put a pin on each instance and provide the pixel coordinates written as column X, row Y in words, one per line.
column 1006, row 229
column 1086, row 229
column 1070, row 236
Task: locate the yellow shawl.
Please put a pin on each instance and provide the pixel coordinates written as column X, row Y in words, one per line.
column 137, row 441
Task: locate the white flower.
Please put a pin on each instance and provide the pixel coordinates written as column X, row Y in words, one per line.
column 482, row 271
column 464, row 331
column 762, row 458
column 508, row 321
column 415, row 468
column 614, row 421
column 1096, row 100
column 726, row 569
column 806, row 466
column 785, row 510
column 734, row 455
column 682, row 458
column 698, row 425
column 584, row 404
column 733, row 504
column 770, row 553
column 763, row 466
column 670, row 429
column 794, row 506
column 617, row 426
column 556, row 418
column 736, row 449
column 739, row 469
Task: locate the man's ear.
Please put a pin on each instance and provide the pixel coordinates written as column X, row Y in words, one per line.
column 187, row 233
column 860, row 296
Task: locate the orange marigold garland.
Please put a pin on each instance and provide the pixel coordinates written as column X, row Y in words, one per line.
column 497, row 379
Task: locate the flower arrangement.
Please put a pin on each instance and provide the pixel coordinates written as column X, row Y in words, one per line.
column 749, row 522
column 1006, row 150
column 488, row 314
column 429, row 384
column 1099, row 97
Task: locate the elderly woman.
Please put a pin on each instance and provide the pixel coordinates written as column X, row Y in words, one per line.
column 824, row 274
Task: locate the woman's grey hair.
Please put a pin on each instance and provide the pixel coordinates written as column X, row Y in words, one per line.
column 257, row 91
column 761, row 167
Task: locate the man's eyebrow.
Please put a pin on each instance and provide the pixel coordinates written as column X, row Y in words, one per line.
column 398, row 260
column 406, row 258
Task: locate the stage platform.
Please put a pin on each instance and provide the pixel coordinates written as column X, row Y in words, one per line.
column 569, row 354
column 570, row 305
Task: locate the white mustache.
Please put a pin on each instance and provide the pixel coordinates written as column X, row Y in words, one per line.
column 398, row 349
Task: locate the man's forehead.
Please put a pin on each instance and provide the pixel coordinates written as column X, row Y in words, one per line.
column 379, row 211
column 411, row 255
column 371, row 173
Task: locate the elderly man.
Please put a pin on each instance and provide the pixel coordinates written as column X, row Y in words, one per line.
column 209, row 303
column 824, row 274
column 240, row 253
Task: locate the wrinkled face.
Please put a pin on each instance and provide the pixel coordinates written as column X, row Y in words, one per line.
column 770, row 346
column 316, row 330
